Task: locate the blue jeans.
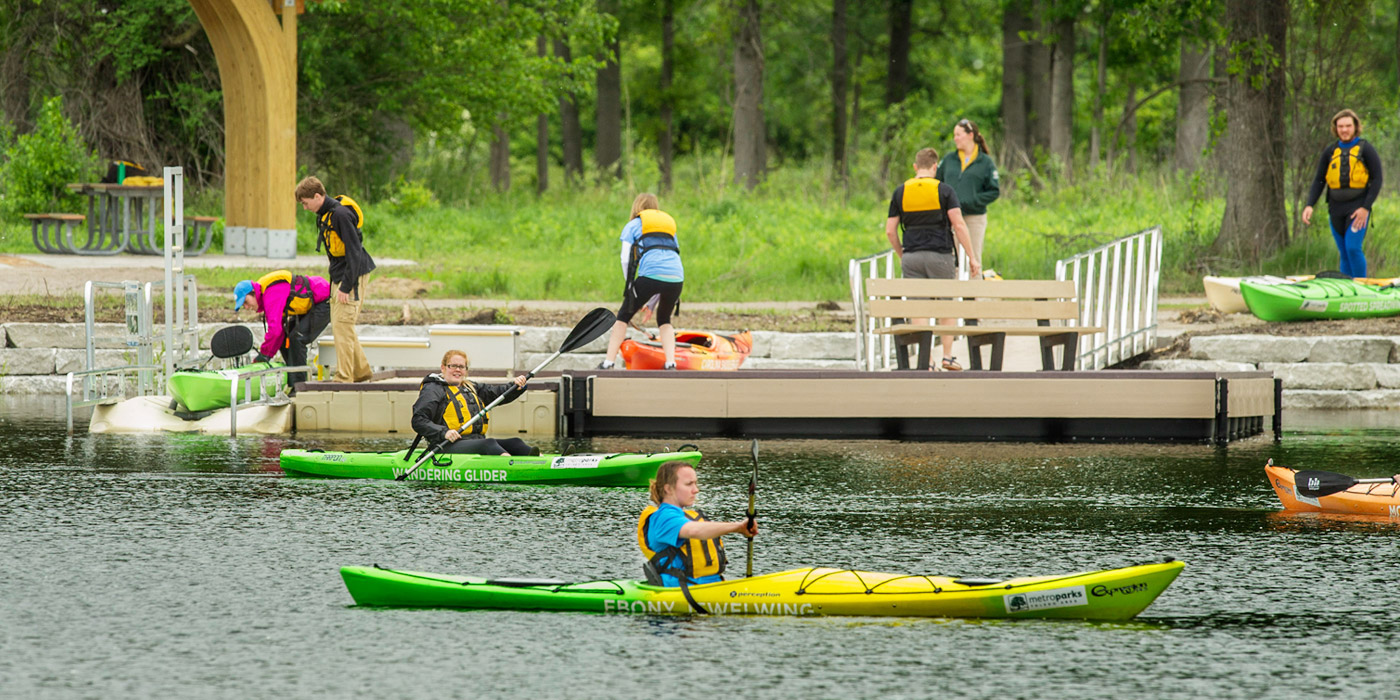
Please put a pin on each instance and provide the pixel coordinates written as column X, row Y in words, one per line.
column 1349, row 242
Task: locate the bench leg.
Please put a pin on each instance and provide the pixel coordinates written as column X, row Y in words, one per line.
column 975, row 343
column 1069, row 341
column 925, row 342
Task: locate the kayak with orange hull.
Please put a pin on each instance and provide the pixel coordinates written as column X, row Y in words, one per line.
column 694, row 350
column 1366, row 499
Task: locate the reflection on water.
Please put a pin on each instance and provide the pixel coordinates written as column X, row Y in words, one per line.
column 184, row 565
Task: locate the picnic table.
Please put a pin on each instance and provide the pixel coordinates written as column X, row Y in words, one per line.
column 120, row 218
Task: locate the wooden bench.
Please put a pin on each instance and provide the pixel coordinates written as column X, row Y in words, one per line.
column 1050, row 303
column 53, row 233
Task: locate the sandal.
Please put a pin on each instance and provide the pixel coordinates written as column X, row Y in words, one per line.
column 950, row 364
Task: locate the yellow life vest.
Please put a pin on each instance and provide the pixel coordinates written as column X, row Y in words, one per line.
column 658, row 233
column 692, row 560
column 1346, row 173
column 462, row 403
column 300, row 300
column 923, row 218
column 327, row 234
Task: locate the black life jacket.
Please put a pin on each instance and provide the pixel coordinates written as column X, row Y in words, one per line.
column 923, row 218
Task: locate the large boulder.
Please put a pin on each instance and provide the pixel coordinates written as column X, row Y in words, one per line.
column 1338, row 376
column 1353, row 348
column 1251, row 348
column 26, row 361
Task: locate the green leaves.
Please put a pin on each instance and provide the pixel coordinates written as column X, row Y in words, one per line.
column 38, row 165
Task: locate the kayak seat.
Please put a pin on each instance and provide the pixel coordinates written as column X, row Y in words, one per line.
column 649, row 573
column 525, row 582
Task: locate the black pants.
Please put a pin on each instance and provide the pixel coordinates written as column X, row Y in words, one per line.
column 301, row 331
column 641, row 291
column 488, row 446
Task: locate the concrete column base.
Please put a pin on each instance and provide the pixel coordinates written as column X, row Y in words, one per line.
column 235, row 240
column 257, row 242
column 282, row 243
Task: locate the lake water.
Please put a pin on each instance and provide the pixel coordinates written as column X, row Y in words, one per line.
column 178, row 566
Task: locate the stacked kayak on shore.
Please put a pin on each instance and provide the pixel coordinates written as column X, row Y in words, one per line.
column 612, row 469
column 1321, row 298
column 694, row 350
column 1381, row 498
column 208, row 389
column 1114, row 594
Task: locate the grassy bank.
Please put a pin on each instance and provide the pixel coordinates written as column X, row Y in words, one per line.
column 788, row 240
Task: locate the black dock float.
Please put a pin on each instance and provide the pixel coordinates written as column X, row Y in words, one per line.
column 968, row 406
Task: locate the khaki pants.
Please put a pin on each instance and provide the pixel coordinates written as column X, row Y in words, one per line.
column 977, row 231
column 350, row 362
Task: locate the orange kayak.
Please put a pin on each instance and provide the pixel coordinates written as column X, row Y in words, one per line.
column 694, row 350
column 1369, row 499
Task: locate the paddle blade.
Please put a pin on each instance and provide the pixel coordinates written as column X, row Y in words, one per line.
column 1314, row 484
column 594, row 325
column 231, row 341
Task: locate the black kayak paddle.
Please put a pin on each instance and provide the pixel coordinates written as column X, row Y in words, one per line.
column 1315, row 484
column 594, row 325
column 753, row 487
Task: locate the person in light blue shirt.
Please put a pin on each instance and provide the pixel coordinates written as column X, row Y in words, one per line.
column 681, row 546
column 652, row 272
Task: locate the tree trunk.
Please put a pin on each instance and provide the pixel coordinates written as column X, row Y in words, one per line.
column 901, row 28
column 1015, row 59
column 668, row 47
column 1255, row 223
column 1096, row 129
column 1038, row 76
column 1130, row 129
column 1192, row 105
column 541, row 131
column 750, row 154
column 607, row 152
column 500, row 156
column 1062, row 95
column 840, row 80
column 571, row 132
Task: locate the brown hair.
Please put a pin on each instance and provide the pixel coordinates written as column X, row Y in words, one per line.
column 1354, row 120
column 666, row 477
column 645, row 200
column 926, row 158
column 309, row 187
column 450, row 353
column 971, row 128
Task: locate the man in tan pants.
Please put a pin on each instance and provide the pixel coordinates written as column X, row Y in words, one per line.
column 338, row 222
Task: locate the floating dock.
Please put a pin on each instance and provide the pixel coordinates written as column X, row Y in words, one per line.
column 968, row 406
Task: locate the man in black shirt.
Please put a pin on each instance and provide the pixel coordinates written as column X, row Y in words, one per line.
column 338, row 229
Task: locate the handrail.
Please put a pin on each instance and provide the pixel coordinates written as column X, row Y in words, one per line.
column 106, row 374
column 241, row 379
column 1118, row 286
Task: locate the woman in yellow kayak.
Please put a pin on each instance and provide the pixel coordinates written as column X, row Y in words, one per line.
column 682, row 547
column 446, row 401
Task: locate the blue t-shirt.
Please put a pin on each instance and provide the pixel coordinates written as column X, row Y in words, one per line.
column 664, row 530
column 663, row 265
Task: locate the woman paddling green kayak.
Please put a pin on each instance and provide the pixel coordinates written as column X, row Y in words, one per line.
column 686, row 562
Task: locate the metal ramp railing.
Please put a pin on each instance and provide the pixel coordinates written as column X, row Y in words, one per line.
column 1118, row 285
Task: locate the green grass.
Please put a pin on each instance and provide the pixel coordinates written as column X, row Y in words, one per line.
column 788, row 240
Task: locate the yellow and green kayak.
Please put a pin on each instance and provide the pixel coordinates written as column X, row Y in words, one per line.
column 1113, row 594
column 610, row 469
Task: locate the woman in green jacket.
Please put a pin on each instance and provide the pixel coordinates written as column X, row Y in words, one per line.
column 969, row 170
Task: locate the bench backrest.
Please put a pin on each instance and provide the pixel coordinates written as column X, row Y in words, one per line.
column 1032, row 300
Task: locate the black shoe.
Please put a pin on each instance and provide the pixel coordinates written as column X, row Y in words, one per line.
column 669, row 365
column 606, row 365
column 534, row 451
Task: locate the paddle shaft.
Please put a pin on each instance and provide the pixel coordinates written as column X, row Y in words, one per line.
column 476, row 417
column 753, row 489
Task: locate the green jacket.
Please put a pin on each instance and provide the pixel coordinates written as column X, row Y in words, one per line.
column 976, row 187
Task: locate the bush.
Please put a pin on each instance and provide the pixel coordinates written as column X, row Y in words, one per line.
column 39, row 164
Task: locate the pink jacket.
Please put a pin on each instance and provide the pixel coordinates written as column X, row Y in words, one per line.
column 274, row 304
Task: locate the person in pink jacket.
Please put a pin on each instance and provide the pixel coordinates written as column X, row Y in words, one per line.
column 295, row 309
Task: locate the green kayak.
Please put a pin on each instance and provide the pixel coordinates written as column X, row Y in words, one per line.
column 1112, row 594
column 207, row 389
column 615, row 469
column 1319, row 299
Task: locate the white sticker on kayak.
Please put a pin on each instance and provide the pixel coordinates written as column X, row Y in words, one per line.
column 577, row 462
column 1041, row 600
column 1314, row 305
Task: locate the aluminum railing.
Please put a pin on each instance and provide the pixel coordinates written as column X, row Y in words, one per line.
column 1117, row 285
